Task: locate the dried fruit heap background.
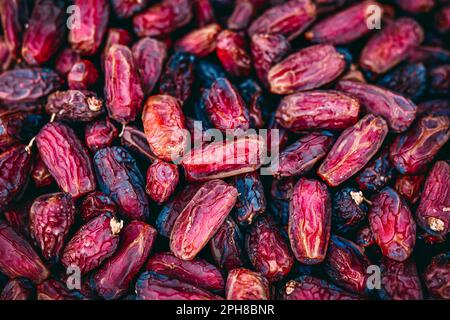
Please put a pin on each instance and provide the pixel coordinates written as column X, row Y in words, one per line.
column 90, row 106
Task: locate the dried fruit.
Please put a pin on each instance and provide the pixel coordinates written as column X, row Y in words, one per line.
column 65, row 60
column 437, row 276
column 349, row 210
column 162, row 179
column 134, row 139
column 376, row 174
column 203, row 12
column 231, row 51
column 440, row 80
column 17, row 289
column 54, row 290
column 409, row 187
column 244, row 284
column 442, row 19
column 100, row 134
column 311, row 288
column 95, row 204
column 82, row 76
column 200, row 42
column 12, row 14
column 242, row 14
column 127, row 8
column 416, row 6
column 40, row 174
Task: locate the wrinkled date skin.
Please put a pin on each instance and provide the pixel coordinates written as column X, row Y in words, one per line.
column 440, row 80
column 200, row 42
column 309, row 221
column 116, row 36
column 376, row 174
column 346, row 265
column 349, row 210
column 120, row 178
column 267, row 50
column 201, row 218
column 74, row 105
column 93, row 243
column 40, row 174
column 162, row 179
column 65, row 61
column 227, row 246
column 251, row 200
column 135, row 140
column 400, row 280
column 66, row 159
column 414, row 149
column 289, row 19
column 433, row 213
column 127, row 8
column 17, row 289
column 392, row 225
column 330, row 110
column 164, row 127
column 197, row 272
column 398, row 111
column 268, row 250
column 115, row 276
column 123, row 91
column 255, row 99
column 231, row 51
column 18, row 258
column 244, row 284
column 56, row 291
column 154, row 286
column 437, row 276
column 225, row 107
column 219, row 160
column 409, row 187
column 100, row 134
column 51, row 217
column 353, row 149
column 149, row 56
column 15, row 168
column 95, row 204
column 301, row 156
column 44, row 32
column 311, row 288
column 390, row 46
column 309, row 68
column 178, row 76
column 12, row 14
column 82, row 76
column 87, row 38
column 27, row 85
column 344, row 27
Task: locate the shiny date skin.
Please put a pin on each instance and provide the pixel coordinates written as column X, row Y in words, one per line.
column 330, row 110
column 410, row 187
column 376, row 174
column 349, row 210
column 95, row 204
column 135, row 140
column 162, row 179
column 311, row 288
column 17, row 289
column 437, row 275
column 200, row 42
column 353, row 149
column 100, row 134
column 127, row 8
column 54, row 290
column 83, row 75
column 244, row 284
column 413, row 150
column 232, row 52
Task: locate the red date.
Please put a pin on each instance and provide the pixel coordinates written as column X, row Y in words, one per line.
column 231, row 51
column 83, row 75
column 409, row 187
column 244, row 284
column 162, row 179
column 437, row 276
column 95, row 204
column 200, row 42
column 311, row 288
column 100, row 134
column 17, row 289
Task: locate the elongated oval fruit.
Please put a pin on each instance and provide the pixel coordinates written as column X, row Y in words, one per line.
column 413, row 150
column 398, row 111
column 309, row 221
column 353, row 150
column 162, row 179
column 433, row 213
column 307, row 69
column 251, row 200
column 311, row 288
column 390, row 46
column 244, row 284
column 200, row 42
column 201, row 218
column 392, row 224
column 18, row 258
column 17, row 289
column 113, row 279
column 231, row 51
column 165, row 127
column 66, row 158
column 331, row 110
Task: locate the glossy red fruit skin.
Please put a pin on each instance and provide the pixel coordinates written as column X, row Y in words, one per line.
column 201, row 218
column 164, row 127
column 100, row 134
column 93, row 243
column 267, row 50
column 442, row 19
column 203, row 12
column 311, row 288
column 66, row 159
column 410, row 187
column 225, row 107
column 289, row 19
column 242, row 15
column 343, row 27
column 162, row 179
column 413, row 150
column 219, row 160
column 268, row 250
column 15, row 168
column 18, row 258
column 95, row 204
column 83, row 75
column 87, row 38
column 19, row 220
column 309, row 221
column 113, row 279
column 319, row 109
column 51, row 218
column 65, row 60
column 44, row 33
column 390, row 46
column 40, row 174
column 416, row 6
column 376, row 174
column 127, row 8
column 6, row 58
column 346, row 265
column 433, row 213
column 244, row 284
column 353, row 149
column 197, row 272
column 115, row 36
column 120, row 178
column 149, row 56
column 364, row 238
column 232, row 53
column 437, row 276
column 309, row 68
column 392, row 225
column 123, row 91
column 398, row 111
column 12, row 13
column 227, row 246
column 52, row 289
column 17, row 289
column 199, row 42
column 400, row 280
